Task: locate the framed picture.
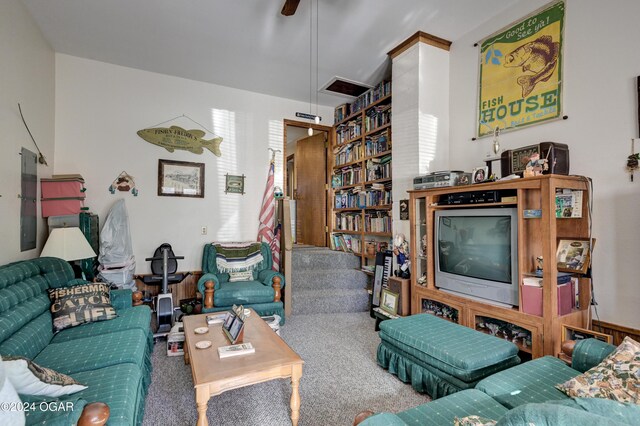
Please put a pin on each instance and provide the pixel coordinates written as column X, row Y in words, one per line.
column 234, row 184
column 574, row 255
column 180, row 179
column 234, row 331
column 570, row 332
column 479, row 174
column 389, row 301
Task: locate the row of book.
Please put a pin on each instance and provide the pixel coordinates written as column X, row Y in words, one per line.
column 348, row 131
column 360, row 198
column 348, row 222
column 377, row 117
column 348, row 153
column 345, row 242
column 378, row 92
column 377, row 221
column 377, row 171
column 346, row 176
column 568, row 294
column 373, row 145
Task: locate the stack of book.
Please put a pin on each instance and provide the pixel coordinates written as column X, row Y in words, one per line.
column 532, row 294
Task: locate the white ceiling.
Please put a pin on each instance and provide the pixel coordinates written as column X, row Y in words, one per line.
column 248, row 44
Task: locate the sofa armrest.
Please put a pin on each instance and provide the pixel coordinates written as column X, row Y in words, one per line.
column 94, row 414
column 588, row 353
column 367, row 418
column 266, row 277
column 206, row 290
column 121, row 299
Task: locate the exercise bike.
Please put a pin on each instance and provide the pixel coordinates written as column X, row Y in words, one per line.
column 163, row 268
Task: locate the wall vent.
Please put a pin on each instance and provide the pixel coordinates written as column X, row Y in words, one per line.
column 344, row 87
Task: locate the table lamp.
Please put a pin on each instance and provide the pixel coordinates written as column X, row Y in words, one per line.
column 68, row 244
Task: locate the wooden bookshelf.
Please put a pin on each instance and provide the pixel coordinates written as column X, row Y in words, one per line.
column 360, row 202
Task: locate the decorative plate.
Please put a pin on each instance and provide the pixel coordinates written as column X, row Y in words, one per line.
column 204, row 344
column 201, row 330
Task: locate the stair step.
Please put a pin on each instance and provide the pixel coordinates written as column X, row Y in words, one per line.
column 323, row 259
column 329, row 301
column 334, row 279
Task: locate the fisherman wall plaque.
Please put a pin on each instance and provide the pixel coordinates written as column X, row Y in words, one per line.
column 175, row 137
column 521, row 72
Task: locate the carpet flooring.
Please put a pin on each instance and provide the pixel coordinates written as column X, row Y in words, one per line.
column 340, row 378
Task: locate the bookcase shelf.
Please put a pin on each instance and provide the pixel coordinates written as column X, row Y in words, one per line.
column 374, row 183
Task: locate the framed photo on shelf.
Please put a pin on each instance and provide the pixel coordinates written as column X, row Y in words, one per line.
column 570, row 332
column 389, row 301
column 574, row 255
column 180, row 179
column 479, row 174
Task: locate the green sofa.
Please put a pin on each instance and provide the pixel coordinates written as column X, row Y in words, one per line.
column 518, row 395
column 112, row 358
column 257, row 293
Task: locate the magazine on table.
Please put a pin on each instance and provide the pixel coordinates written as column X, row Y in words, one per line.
column 217, row 318
column 235, row 350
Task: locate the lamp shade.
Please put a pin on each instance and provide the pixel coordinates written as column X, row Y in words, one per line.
column 67, row 244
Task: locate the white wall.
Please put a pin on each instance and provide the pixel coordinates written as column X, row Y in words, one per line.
column 26, row 76
column 601, row 62
column 99, row 109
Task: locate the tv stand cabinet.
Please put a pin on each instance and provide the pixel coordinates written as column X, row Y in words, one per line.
column 535, row 335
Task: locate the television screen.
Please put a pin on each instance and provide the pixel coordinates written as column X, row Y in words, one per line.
column 476, row 246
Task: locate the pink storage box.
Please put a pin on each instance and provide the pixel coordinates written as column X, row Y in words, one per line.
column 532, row 299
column 61, row 188
column 61, row 207
column 60, row 197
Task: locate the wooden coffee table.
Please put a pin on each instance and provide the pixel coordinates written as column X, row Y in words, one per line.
column 273, row 359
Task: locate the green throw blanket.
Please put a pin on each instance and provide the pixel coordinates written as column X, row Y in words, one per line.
column 235, row 257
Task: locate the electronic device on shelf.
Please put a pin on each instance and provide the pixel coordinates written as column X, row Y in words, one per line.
column 476, row 252
column 476, row 197
column 514, row 161
column 441, row 179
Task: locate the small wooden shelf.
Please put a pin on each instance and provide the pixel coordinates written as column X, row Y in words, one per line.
column 383, row 180
column 342, row 188
column 349, row 141
column 343, row 231
column 379, row 234
column 377, row 129
column 380, row 154
column 462, row 206
column 350, row 163
column 348, row 209
column 378, row 102
column 381, row 207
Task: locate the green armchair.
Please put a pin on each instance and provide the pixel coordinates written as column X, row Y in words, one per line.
column 262, row 293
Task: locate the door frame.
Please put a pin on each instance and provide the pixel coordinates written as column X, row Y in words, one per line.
column 328, row 129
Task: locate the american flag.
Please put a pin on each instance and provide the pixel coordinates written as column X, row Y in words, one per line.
column 266, row 229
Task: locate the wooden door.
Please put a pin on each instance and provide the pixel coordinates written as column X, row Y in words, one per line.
column 310, row 192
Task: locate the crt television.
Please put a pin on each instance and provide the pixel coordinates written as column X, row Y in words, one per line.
column 476, row 253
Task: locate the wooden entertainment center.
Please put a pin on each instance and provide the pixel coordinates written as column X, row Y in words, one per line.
column 535, row 335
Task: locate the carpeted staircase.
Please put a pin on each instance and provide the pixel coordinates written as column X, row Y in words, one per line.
column 327, row 281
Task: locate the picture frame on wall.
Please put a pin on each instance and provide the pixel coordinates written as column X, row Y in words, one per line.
column 180, row 179
column 234, row 184
column 574, row 255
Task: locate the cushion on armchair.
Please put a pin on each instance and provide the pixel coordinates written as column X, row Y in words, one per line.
column 242, row 292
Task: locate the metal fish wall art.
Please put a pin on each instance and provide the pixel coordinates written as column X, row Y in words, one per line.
column 176, row 137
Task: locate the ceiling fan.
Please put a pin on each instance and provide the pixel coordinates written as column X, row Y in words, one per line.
column 289, row 8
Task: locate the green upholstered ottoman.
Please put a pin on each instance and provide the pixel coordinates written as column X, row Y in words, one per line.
column 439, row 357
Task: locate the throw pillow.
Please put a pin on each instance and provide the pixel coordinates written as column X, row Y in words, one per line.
column 29, row 378
column 473, row 421
column 240, row 276
column 71, row 306
column 10, row 404
column 617, row 377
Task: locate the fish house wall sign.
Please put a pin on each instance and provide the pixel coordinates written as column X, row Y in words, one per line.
column 521, row 72
column 176, row 137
